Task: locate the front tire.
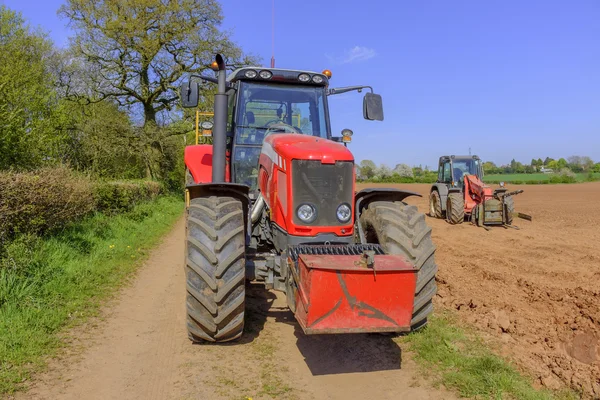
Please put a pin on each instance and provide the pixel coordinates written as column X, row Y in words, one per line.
column 215, row 269
column 455, row 208
column 400, row 229
column 435, row 204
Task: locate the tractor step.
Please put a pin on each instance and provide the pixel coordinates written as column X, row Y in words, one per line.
column 365, row 291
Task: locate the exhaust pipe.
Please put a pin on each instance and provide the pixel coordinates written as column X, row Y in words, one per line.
column 220, row 125
column 257, row 209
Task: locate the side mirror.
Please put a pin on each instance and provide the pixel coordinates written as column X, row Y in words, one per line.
column 373, row 107
column 189, row 94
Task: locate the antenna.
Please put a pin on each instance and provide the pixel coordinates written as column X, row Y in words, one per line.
column 469, row 151
column 273, row 35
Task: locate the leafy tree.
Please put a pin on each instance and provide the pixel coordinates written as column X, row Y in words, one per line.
column 367, row 169
column 404, row 171
column 596, row 167
column 27, row 96
column 140, row 49
column 553, row 165
column 540, row 162
column 384, row 172
column 562, row 163
column 490, row 168
column 547, row 160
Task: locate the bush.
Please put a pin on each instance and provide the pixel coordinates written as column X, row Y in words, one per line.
column 44, row 200
column 119, row 196
column 48, row 199
column 564, row 176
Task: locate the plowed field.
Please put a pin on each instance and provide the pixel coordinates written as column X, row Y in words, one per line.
column 535, row 292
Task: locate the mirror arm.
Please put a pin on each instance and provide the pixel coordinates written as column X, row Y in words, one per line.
column 205, row 78
column 347, row 89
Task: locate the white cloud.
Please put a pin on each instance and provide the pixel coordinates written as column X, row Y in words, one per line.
column 358, row 54
column 353, row 55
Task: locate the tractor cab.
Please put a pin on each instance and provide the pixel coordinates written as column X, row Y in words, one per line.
column 452, row 169
column 266, row 102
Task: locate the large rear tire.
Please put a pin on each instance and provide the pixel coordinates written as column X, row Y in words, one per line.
column 435, row 204
column 215, row 269
column 400, row 229
column 455, row 208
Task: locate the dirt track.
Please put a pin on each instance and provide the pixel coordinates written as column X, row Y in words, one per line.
column 536, row 291
column 533, row 292
column 141, row 351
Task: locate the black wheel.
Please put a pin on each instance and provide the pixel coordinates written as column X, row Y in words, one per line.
column 215, row 269
column 400, row 229
column 509, row 208
column 455, row 208
column 435, row 205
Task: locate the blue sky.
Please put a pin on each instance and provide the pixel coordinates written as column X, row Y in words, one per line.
column 506, row 78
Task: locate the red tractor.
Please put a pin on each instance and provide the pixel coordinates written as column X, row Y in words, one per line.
column 460, row 194
column 273, row 199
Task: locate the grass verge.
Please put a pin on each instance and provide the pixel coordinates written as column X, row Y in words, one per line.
column 463, row 363
column 51, row 283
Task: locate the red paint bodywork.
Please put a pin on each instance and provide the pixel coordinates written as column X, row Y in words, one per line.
column 198, row 159
column 476, row 192
column 275, row 180
column 338, row 295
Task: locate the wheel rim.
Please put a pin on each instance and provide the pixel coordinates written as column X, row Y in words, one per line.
column 432, row 205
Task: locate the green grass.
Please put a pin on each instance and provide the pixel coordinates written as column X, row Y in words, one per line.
column 52, row 283
column 463, row 363
column 538, row 178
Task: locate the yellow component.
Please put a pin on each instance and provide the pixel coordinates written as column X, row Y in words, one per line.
column 214, row 66
column 346, row 139
column 327, row 73
column 205, row 132
column 187, row 198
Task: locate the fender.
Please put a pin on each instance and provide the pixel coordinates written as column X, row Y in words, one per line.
column 198, row 160
column 442, row 189
column 365, row 197
column 234, row 190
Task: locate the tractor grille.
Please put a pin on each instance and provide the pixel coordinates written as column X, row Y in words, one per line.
column 339, row 250
column 325, row 186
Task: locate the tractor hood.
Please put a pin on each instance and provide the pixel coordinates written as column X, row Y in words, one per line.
column 304, row 147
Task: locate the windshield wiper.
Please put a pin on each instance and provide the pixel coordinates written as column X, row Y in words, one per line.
column 252, row 127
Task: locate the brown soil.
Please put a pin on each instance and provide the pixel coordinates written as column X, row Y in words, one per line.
column 534, row 291
column 140, row 350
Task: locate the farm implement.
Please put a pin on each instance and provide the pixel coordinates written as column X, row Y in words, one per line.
column 460, row 194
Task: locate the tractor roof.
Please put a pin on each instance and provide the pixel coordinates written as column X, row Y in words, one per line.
column 459, row 157
column 260, row 74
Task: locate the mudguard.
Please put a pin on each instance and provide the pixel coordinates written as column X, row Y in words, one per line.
column 366, row 196
column 198, row 160
column 442, row 189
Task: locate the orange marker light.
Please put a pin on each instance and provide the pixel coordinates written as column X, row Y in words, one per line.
column 214, row 66
column 327, row 73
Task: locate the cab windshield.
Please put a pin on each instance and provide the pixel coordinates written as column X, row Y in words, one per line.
column 465, row 167
column 265, row 108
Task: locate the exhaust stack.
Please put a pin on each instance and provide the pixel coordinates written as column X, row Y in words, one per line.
column 220, row 125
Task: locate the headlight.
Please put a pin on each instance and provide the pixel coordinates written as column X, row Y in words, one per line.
column 306, row 213
column 250, row 74
column 266, row 74
column 317, row 79
column 304, row 77
column 344, row 212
